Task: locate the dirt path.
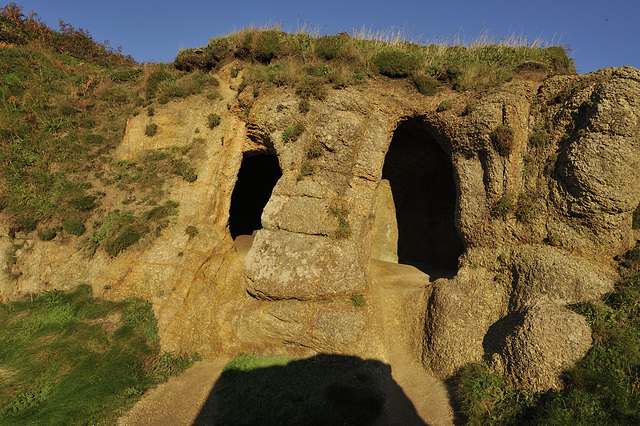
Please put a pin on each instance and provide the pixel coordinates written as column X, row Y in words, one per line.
column 178, row 401
column 413, row 383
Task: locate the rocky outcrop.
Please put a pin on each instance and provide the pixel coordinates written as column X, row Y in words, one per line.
column 545, row 341
column 506, row 230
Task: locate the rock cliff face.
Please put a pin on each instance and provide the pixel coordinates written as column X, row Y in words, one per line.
column 508, row 206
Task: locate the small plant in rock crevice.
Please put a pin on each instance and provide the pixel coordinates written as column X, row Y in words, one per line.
column 525, row 208
column 540, row 136
column 292, row 133
column 503, row 139
column 503, row 206
column 341, row 213
column 468, row 109
column 213, row 120
column 443, row 106
column 635, row 224
column 357, row 300
column 316, row 149
column 151, row 130
column 306, row 169
column 191, row 231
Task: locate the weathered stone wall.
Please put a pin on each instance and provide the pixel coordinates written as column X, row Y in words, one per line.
column 567, row 212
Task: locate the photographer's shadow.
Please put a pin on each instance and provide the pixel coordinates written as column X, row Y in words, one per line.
column 322, row 390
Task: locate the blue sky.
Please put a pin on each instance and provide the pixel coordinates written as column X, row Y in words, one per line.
column 600, row 33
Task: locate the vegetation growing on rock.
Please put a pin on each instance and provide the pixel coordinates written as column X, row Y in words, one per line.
column 521, row 186
column 64, row 110
column 600, row 388
column 308, row 62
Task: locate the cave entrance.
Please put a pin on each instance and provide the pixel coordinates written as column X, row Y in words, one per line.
column 420, row 176
column 259, row 173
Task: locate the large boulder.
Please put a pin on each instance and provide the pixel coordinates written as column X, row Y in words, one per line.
column 547, row 339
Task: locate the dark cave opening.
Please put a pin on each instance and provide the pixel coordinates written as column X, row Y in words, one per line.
column 258, row 174
column 420, row 174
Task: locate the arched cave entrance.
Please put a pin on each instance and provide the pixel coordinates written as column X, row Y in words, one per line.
column 420, row 175
column 258, row 174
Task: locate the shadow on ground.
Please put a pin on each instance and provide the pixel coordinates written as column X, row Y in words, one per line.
column 322, row 390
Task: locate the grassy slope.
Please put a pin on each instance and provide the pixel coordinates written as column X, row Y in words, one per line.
column 603, row 388
column 68, row 358
column 65, row 104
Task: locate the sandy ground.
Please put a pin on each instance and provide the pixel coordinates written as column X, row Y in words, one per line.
column 178, row 401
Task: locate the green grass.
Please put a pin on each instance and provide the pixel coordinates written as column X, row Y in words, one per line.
column 64, row 105
column 357, row 300
column 279, row 390
column 292, row 133
column 69, row 358
column 341, row 213
column 602, row 388
column 310, row 62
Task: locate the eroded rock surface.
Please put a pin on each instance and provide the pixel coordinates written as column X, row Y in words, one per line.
column 504, row 235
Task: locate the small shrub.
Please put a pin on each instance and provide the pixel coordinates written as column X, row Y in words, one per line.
column 311, row 87
column 554, row 240
column 502, row 138
column 467, row 110
column 127, row 237
column 341, row 213
column 395, row 63
column 636, row 218
column 330, row 47
column 151, row 111
column 151, row 129
column 233, row 72
column 303, row 106
column 26, row 223
column 292, row 133
column 315, row 149
column 126, row 75
column 73, row 227
column 306, row 169
column 83, row 203
column 443, row 106
column 48, row 235
column 213, row 120
column 426, row 85
column 191, row 231
column 266, row 46
column 503, row 206
column 540, row 136
column 357, row 300
column 525, row 209
column 184, row 169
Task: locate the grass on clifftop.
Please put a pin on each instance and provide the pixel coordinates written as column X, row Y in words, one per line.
column 309, row 62
column 69, row 358
column 602, row 388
